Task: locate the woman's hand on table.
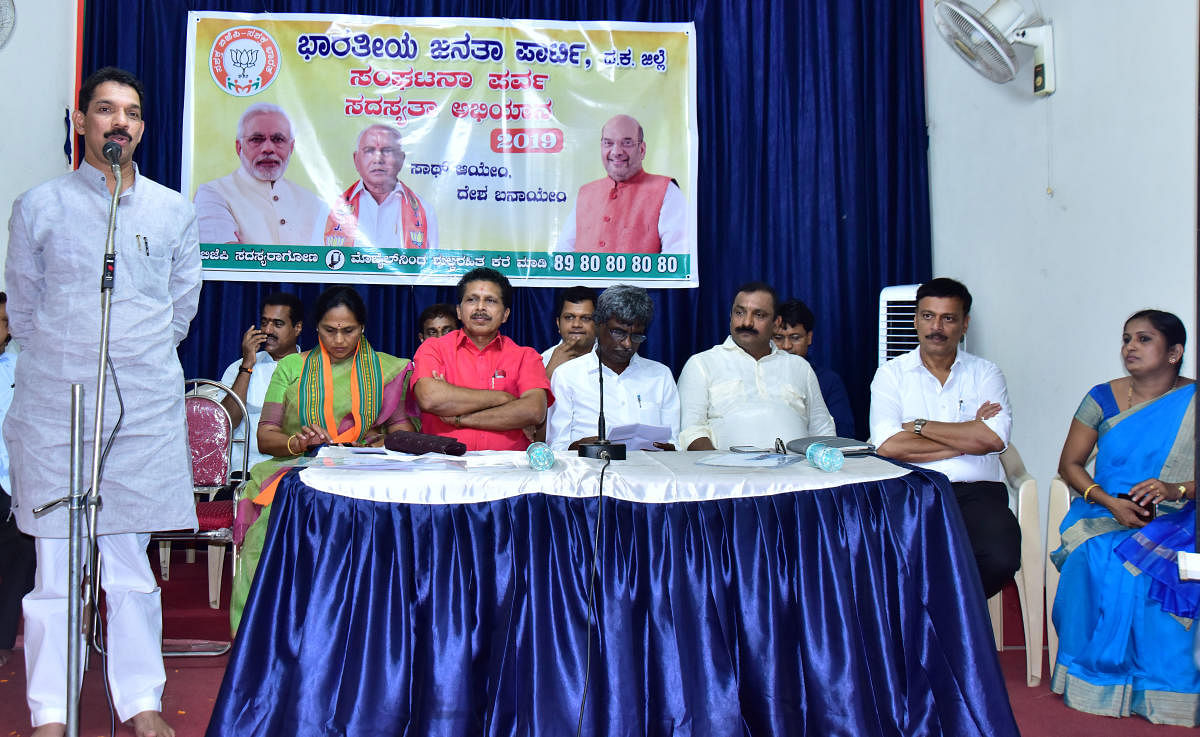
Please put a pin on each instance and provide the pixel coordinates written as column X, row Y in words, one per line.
column 309, row 436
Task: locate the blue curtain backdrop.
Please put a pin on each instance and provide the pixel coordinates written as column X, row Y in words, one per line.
column 813, row 175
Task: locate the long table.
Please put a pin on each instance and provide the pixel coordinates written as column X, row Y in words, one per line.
column 454, row 601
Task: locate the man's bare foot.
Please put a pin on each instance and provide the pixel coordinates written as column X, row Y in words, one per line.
column 150, row 724
column 54, row 729
column 4, row 657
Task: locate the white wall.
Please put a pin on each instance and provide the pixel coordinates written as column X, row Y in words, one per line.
column 38, row 68
column 1065, row 214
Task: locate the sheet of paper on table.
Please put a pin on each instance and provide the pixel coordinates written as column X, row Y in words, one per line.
column 750, row 460
column 639, row 437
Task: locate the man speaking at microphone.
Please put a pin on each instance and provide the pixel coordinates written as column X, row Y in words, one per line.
column 55, row 255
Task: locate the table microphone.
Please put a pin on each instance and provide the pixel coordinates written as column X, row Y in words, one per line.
column 602, row 448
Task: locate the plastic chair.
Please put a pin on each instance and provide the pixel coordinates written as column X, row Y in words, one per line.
column 211, row 441
column 1060, row 500
column 1022, row 491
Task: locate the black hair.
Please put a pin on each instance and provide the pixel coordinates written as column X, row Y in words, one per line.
column 573, row 295
column 440, row 309
column 946, row 289
column 795, row 312
column 340, row 296
column 110, row 74
column 1164, row 322
column 483, row 273
column 759, row 286
column 290, row 301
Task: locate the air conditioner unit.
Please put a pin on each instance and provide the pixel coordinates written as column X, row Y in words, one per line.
column 897, row 333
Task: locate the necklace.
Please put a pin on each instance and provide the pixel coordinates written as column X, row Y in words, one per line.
column 1129, row 395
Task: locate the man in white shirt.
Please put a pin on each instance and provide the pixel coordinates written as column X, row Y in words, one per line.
column 379, row 210
column 249, row 376
column 636, row 390
column 942, row 408
column 255, row 204
column 746, row 391
column 574, row 318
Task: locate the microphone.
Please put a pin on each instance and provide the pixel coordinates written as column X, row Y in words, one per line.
column 602, row 448
column 112, row 152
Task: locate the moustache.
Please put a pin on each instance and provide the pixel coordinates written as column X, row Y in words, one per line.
column 118, row 132
column 936, row 336
column 747, row 331
column 481, row 316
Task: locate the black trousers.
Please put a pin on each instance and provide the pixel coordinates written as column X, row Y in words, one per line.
column 17, row 562
column 993, row 530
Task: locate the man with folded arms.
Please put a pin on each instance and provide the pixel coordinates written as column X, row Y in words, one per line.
column 636, row 390
column 942, row 408
column 474, row 384
column 746, row 391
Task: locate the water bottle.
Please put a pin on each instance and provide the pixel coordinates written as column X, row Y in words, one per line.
column 541, row 458
column 824, row 457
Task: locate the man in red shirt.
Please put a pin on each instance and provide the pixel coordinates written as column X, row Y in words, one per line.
column 474, row 384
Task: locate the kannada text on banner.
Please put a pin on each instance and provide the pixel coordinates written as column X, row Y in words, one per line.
column 411, row 150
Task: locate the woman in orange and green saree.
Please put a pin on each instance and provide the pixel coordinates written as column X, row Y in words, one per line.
column 340, row 392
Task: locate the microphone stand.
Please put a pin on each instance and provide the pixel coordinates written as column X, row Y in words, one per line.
column 77, row 500
column 602, row 448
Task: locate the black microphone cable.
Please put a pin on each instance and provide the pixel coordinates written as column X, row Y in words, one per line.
column 591, row 600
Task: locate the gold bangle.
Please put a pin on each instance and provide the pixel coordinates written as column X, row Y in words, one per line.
column 289, row 445
column 1088, row 490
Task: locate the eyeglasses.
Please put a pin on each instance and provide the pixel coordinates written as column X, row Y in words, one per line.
column 625, row 143
column 259, row 139
column 621, row 336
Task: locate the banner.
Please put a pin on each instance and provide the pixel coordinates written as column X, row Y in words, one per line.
column 411, row 150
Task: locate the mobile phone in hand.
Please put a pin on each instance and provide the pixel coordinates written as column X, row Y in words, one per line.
column 1152, row 508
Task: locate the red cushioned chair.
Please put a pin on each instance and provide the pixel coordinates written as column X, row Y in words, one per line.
column 211, row 441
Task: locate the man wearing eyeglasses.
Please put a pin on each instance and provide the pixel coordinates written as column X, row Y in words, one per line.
column 636, row 390
column 255, row 204
column 630, row 210
column 747, row 391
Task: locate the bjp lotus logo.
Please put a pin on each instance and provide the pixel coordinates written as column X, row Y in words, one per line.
column 244, row 61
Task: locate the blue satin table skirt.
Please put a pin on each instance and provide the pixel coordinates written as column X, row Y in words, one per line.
column 853, row 610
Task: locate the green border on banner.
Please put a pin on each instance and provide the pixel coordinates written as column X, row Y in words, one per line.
column 347, row 264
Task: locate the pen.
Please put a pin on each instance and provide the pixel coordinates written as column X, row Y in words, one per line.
column 639, row 401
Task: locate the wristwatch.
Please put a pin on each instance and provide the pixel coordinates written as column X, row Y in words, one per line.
column 919, row 425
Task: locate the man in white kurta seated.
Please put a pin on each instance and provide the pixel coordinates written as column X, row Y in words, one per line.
column 255, row 204
column 574, row 317
column 746, row 391
column 379, row 210
column 636, row 390
column 629, row 210
column 263, row 346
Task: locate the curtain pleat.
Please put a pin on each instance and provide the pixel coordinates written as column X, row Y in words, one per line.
column 852, row 611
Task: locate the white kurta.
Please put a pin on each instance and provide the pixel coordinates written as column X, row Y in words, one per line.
column 732, row 399
column 55, row 255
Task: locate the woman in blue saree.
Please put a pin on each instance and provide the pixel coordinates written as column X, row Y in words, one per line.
column 1122, row 614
